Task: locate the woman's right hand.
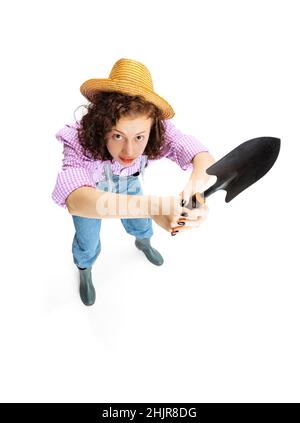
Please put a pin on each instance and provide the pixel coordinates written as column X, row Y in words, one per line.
column 168, row 212
column 171, row 214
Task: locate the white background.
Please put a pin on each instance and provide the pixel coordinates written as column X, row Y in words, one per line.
column 219, row 321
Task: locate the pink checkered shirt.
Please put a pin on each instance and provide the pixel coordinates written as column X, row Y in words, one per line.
column 79, row 170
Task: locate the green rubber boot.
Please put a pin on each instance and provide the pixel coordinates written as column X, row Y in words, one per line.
column 151, row 253
column 86, row 288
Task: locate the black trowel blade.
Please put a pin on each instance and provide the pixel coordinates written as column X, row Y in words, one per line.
column 243, row 166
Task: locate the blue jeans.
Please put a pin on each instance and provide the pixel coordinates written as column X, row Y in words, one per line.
column 86, row 244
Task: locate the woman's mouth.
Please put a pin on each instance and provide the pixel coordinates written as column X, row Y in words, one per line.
column 127, row 160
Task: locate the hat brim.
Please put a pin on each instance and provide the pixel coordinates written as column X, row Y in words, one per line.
column 90, row 87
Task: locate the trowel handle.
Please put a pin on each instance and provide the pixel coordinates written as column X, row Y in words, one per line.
column 196, row 201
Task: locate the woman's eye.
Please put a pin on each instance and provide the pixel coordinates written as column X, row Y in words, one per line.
column 141, row 137
column 117, row 135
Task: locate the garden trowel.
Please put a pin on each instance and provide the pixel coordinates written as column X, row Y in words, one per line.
column 240, row 168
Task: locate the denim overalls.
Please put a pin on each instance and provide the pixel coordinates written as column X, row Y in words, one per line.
column 86, row 244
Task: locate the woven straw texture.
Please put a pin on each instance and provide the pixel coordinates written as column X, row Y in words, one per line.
column 129, row 77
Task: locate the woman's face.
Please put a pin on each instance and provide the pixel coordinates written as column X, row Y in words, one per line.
column 128, row 138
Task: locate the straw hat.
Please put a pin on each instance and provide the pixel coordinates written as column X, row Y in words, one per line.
column 129, row 77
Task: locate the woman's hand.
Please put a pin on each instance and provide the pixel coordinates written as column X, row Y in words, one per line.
column 196, row 216
column 192, row 220
column 168, row 212
column 171, row 213
column 196, row 185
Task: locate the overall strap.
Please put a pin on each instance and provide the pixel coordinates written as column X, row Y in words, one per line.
column 144, row 160
column 109, row 177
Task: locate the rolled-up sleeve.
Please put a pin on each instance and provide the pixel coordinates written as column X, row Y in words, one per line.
column 75, row 172
column 181, row 148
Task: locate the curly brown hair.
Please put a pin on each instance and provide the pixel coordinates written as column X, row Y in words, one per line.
column 107, row 108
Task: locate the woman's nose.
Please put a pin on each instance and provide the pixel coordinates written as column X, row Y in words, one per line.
column 128, row 149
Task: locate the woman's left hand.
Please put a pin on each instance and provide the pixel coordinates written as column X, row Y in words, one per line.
column 197, row 185
column 198, row 215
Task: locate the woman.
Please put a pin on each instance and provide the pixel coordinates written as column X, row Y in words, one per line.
column 126, row 126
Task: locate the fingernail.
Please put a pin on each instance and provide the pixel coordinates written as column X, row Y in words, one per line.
column 184, row 214
column 181, row 223
column 173, row 234
column 183, row 202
